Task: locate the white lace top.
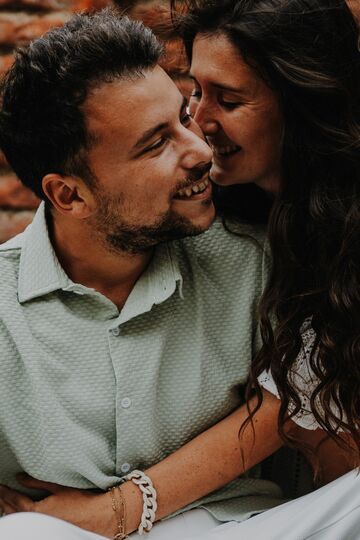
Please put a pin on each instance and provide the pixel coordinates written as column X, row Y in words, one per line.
column 303, row 379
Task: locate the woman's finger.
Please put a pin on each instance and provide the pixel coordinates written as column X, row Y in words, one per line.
column 6, row 508
column 20, row 502
column 34, row 483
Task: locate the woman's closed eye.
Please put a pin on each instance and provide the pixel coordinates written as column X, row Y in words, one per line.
column 226, row 104
column 229, row 105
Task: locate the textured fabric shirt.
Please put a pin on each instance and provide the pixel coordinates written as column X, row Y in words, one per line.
column 88, row 393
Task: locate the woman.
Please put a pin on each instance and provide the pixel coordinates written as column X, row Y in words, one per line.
column 276, row 86
column 295, row 80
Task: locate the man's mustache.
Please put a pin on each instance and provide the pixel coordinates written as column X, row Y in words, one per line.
column 194, row 175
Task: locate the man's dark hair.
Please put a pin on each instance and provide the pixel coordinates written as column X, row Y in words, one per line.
column 42, row 126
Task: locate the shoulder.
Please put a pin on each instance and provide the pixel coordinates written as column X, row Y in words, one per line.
column 229, row 239
column 229, row 255
column 10, row 253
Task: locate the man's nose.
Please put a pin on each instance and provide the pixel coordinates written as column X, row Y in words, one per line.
column 198, row 152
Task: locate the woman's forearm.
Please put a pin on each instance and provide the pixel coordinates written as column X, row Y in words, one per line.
column 209, row 461
column 205, row 464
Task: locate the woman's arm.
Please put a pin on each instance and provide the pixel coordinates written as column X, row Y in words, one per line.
column 205, row 464
column 210, row 461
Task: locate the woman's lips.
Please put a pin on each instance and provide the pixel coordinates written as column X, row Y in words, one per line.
column 224, row 151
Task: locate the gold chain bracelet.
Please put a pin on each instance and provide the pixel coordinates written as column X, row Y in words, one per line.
column 118, row 505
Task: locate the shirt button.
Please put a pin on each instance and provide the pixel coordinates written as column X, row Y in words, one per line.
column 115, row 331
column 125, row 402
column 125, row 467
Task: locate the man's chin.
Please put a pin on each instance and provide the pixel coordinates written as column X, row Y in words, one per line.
column 135, row 240
column 190, row 227
column 193, row 217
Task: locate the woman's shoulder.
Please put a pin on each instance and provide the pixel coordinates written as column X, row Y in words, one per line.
column 301, row 377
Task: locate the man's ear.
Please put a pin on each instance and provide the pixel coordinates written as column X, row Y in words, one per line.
column 69, row 195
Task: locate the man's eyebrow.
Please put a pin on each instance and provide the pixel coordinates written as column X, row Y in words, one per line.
column 145, row 137
column 223, row 86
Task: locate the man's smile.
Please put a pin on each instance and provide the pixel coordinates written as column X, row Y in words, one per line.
column 196, row 191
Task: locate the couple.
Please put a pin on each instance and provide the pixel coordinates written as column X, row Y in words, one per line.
column 124, row 334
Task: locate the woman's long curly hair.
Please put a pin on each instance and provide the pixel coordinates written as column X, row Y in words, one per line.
column 308, row 53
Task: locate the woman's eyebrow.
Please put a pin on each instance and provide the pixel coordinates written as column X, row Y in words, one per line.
column 223, row 86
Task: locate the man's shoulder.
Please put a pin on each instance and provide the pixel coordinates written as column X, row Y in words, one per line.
column 10, row 253
column 228, row 238
column 229, row 252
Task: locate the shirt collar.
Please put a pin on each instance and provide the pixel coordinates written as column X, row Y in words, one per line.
column 156, row 284
column 40, row 272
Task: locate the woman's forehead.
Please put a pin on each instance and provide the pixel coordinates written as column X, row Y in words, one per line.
column 217, row 62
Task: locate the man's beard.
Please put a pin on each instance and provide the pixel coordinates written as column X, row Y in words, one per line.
column 121, row 236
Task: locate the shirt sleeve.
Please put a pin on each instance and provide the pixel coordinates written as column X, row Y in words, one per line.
column 302, row 378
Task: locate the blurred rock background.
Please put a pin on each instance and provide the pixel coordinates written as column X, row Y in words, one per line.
column 24, row 20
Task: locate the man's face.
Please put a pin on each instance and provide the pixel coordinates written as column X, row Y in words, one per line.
column 151, row 162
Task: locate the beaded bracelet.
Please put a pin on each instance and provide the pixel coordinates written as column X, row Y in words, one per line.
column 145, row 484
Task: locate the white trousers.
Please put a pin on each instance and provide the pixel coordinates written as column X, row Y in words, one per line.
column 330, row 513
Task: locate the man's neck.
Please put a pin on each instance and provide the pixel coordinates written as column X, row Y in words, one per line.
column 86, row 260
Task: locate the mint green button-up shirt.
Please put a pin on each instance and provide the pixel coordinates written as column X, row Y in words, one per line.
column 88, row 392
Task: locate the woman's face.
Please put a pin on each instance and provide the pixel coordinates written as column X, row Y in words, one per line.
column 239, row 114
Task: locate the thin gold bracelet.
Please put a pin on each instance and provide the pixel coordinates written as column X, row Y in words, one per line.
column 118, row 505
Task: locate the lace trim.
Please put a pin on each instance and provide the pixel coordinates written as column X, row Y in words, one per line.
column 303, row 379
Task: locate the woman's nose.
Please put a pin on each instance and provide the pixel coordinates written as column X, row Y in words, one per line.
column 203, row 117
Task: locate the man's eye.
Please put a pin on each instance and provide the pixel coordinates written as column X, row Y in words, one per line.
column 156, row 145
column 195, row 94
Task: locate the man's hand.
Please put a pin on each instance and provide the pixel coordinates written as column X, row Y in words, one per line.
column 87, row 510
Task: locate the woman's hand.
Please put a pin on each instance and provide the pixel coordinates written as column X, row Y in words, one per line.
column 91, row 511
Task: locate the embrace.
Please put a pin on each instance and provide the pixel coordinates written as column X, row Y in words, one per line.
column 186, row 301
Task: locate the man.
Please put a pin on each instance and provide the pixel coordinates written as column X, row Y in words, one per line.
column 120, row 340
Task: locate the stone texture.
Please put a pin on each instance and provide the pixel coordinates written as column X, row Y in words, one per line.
column 175, row 63
column 14, row 195
column 13, row 222
column 37, row 4
column 5, row 62
column 19, row 28
column 53, row 5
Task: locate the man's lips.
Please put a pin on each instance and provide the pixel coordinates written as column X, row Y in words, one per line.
column 198, row 190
